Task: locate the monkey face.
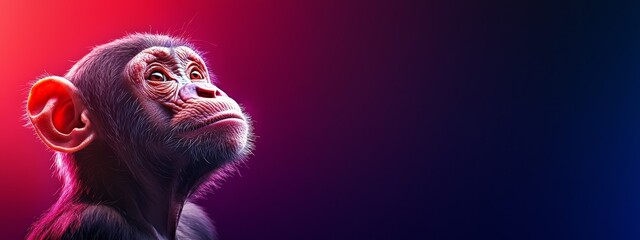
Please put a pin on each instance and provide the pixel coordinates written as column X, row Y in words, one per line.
column 176, row 89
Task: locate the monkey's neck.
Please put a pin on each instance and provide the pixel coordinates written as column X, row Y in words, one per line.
column 151, row 202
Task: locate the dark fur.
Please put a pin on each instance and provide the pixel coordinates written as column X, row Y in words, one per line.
column 90, row 206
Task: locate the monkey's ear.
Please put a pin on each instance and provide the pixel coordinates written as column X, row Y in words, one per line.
column 59, row 115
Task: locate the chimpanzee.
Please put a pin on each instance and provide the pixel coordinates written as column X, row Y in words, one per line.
column 139, row 128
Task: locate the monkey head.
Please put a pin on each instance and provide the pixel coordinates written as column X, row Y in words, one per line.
column 148, row 101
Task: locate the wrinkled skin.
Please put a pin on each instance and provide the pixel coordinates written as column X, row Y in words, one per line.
column 179, row 80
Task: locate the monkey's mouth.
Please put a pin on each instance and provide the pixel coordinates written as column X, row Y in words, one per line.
column 219, row 117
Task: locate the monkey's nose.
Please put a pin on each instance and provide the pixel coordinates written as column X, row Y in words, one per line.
column 192, row 90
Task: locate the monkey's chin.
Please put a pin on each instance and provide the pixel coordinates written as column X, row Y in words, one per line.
column 228, row 135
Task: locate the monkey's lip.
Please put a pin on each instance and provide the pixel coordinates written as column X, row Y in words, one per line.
column 191, row 127
column 221, row 116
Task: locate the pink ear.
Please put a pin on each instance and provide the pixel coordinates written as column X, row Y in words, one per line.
column 58, row 115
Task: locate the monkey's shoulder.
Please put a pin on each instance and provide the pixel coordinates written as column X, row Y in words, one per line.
column 195, row 224
column 80, row 221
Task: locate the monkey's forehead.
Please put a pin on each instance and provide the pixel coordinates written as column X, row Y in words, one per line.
column 179, row 54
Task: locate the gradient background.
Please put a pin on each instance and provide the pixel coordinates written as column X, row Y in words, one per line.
column 378, row 119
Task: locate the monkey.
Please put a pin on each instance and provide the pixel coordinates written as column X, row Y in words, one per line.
column 139, row 128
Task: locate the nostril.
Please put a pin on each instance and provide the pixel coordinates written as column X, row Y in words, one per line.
column 191, row 90
column 207, row 93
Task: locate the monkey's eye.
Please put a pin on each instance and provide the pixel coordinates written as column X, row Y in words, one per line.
column 195, row 74
column 158, row 76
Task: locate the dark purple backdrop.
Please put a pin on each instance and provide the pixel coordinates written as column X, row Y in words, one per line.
column 379, row 119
